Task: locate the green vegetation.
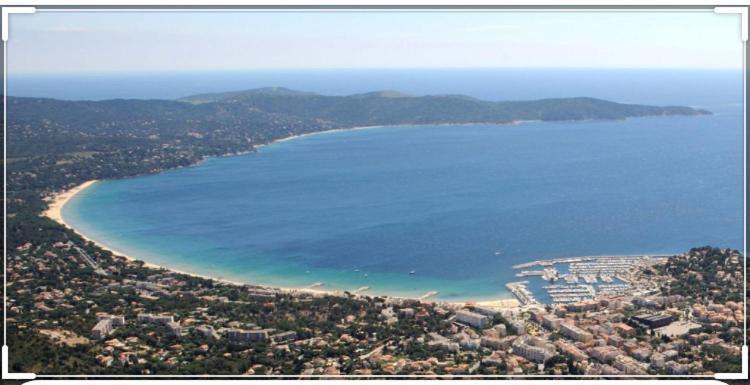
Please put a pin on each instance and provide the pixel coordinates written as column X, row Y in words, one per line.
column 706, row 273
column 56, row 144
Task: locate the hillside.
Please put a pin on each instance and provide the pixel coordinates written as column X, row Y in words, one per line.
column 393, row 107
column 233, row 120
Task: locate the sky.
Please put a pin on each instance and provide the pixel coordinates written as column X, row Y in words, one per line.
column 88, row 42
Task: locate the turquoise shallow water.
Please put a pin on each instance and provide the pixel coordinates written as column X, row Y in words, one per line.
column 458, row 205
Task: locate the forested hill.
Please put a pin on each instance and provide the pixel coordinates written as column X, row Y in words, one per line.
column 393, row 107
column 60, row 143
column 37, row 125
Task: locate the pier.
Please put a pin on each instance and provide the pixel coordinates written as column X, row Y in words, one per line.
column 428, row 295
column 522, row 293
column 361, row 290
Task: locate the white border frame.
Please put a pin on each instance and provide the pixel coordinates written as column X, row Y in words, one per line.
column 380, row 6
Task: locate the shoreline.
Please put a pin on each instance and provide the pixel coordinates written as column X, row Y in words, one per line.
column 59, row 200
column 358, row 128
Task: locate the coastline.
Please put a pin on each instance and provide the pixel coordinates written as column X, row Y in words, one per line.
column 358, row 128
column 59, row 200
column 54, row 212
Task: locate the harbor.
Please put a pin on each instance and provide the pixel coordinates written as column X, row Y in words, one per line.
column 574, row 279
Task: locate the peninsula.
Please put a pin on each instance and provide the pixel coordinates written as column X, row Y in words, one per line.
column 106, row 314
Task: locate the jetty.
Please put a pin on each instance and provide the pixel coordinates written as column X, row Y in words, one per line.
column 522, row 293
column 428, row 295
column 361, row 290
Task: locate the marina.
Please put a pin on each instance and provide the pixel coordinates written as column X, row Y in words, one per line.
column 575, row 279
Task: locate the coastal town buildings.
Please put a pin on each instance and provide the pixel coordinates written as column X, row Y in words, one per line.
column 243, row 336
column 533, row 348
column 471, row 318
column 106, row 324
column 601, row 339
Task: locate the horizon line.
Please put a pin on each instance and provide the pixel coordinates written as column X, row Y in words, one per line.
column 295, row 69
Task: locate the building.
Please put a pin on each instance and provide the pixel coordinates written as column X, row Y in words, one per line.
column 155, row 319
column 174, row 328
column 497, row 343
column 239, row 335
column 533, row 349
column 485, row 311
column 652, row 321
column 551, row 322
column 545, row 319
column 628, row 365
column 469, row 343
column 583, row 306
column 208, row 331
column 641, row 354
column 101, row 329
column 472, row 319
column 165, row 320
column 604, row 354
column 575, row 333
column 284, row 336
column 625, row 330
column 676, row 369
column 105, row 326
column 571, row 350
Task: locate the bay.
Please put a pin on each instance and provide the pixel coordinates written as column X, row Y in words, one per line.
column 458, row 205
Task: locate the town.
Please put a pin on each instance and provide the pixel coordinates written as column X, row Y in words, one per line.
column 74, row 308
column 118, row 316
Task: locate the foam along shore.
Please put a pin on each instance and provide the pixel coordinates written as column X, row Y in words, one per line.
column 330, row 131
column 358, row 128
column 54, row 211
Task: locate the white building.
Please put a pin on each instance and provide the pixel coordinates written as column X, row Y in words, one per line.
column 472, row 319
column 105, row 326
column 239, row 335
column 533, row 349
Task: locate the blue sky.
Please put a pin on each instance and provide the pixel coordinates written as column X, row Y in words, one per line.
column 54, row 42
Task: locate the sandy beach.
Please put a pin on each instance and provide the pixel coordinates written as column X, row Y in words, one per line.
column 54, row 211
column 288, row 138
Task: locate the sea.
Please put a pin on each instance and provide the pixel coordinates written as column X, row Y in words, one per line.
column 408, row 210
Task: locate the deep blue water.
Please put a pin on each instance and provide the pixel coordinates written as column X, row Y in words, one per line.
column 440, row 200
